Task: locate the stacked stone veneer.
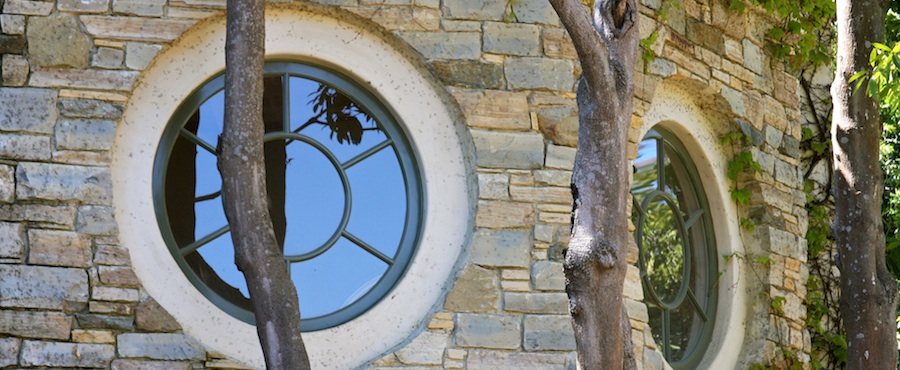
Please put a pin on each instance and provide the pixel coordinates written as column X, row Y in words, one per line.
column 68, row 297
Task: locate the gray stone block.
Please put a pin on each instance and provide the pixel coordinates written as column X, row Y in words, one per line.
column 475, row 9
column 512, row 39
column 445, row 45
column 7, row 185
column 519, row 150
column 35, row 324
column 57, row 41
column 96, row 220
column 41, row 287
column 44, row 181
column 146, row 8
column 535, row 11
column 12, row 240
column 547, row 275
column 561, row 157
column 493, row 186
column 160, row 346
column 149, row 365
column 502, row 248
column 138, row 55
column 83, row 6
column 557, row 303
column 540, row 73
column 85, row 134
column 98, row 321
column 426, row 349
column 25, row 147
column 548, row 333
column 89, row 108
column 476, row 290
column 470, row 73
column 109, row 58
column 28, row 109
column 58, row 354
column 9, row 351
column 480, row 359
column 488, row 331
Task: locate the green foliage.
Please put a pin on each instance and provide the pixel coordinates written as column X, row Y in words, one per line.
column 647, row 53
column 804, row 24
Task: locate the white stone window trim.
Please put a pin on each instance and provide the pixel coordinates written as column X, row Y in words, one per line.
column 677, row 111
column 300, row 35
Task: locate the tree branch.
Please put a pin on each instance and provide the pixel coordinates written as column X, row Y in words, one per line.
column 592, row 50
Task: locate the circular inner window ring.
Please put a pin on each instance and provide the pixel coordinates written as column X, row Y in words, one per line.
column 345, row 183
column 317, row 35
column 686, row 253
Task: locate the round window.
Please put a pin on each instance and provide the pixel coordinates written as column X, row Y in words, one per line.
column 677, row 251
column 343, row 187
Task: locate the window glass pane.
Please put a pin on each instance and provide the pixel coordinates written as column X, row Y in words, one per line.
column 332, row 118
column 212, row 114
column 314, row 198
column 379, row 201
column 645, row 168
column 219, row 255
column 663, row 250
column 335, row 279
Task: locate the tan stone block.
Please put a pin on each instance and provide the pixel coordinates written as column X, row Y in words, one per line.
column 135, row 28
column 476, row 290
column 515, row 274
column 83, row 79
column 557, row 43
column 187, row 13
column 59, row 248
column 118, row 276
column 493, row 109
column 440, row 325
column 401, row 18
column 524, row 178
column 93, row 336
column 555, row 218
column 125, row 309
column 456, row 354
column 15, row 70
column 515, row 286
column 687, row 61
column 95, row 95
column 389, row 360
column 82, row 158
column 555, row 195
column 500, row 214
column 792, row 264
column 443, row 316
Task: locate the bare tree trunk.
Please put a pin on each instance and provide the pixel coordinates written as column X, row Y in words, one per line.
column 868, row 290
column 241, row 163
column 595, row 266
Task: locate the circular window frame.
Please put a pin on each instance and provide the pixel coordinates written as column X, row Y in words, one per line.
column 681, row 112
column 399, row 144
column 663, row 137
column 396, row 75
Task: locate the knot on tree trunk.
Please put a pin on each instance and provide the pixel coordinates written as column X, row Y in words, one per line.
column 587, row 253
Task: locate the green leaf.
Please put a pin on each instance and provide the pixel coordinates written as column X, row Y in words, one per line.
column 776, row 33
column 881, row 46
column 741, row 196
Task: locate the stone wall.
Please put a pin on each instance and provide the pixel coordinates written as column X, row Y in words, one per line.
column 69, row 299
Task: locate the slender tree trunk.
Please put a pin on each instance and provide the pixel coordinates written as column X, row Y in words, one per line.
column 595, row 265
column 241, row 163
column 868, row 290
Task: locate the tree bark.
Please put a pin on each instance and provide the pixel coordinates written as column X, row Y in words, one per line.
column 868, row 290
column 241, row 163
column 595, row 261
